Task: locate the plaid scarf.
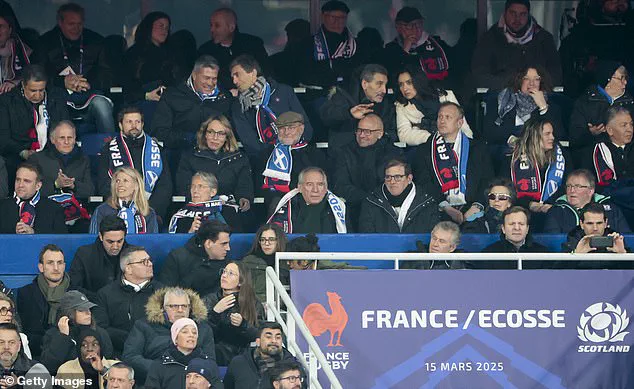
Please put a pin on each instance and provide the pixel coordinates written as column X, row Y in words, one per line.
column 258, row 97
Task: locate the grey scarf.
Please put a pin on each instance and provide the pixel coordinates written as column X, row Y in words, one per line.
column 252, row 97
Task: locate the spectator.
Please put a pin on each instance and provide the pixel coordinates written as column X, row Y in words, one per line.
column 417, row 104
column 151, row 336
column 198, row 263
column 90, row 364
column 97, row 264
column 513, row 239
column 202, row 374
column 120, row 376
column 149, row 65
column 398, row 206
column 445, row 238
column 329, row 56
column 8, row 314
column 613, row 160
column 234, row 312
column 73, row 317
column 580, row 190
column 227, row 43
column 217, row 153
column 169, row 372
column 34, row 214
column 21, row 136
column 287, row 375
column 127, row 201
column 515, row 41
column 75, row 58
column 302, row 244
column 269, row 239
column 361, row 165
column 281, row 163
column 13, row 358
column 122, row 302
column 14, row 53
column 594, row 223
column 415, row 47
column 500, row 196
column 343, row 110
column 183, row 107
column 253, row 366
column 525, row 97
column 259, row 102
column 587, row 122
column 133, row 148
column 205, row 205
column 316, row 210
column 455, row 179
column 38, row 302
column 284, row 63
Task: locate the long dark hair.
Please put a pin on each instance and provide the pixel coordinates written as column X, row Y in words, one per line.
column 545, row 85
column 280, row 246
column 143, row 34
column 246, row 295
column 425, row 89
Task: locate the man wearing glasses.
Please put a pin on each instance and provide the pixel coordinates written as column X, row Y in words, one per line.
column 361, row 164
column 580, row 191
column 287, row 375
column 398, row 206
column 151, row 336
column 122, row 302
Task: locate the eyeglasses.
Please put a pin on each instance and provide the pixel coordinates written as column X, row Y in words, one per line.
column 620, row 78
column 177, row 307
column 395, row 178
column 411, row 25
column 228, row 273
column 145, row 261
column 4, row 311
column 292, row 379
column 216, row 134
column 529, row 79
column 499, row 196
column 292, row 127
column 365, row 131
column 577, row 187
column 268, row 240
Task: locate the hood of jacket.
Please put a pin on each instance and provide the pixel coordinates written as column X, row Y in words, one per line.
column 154, row 307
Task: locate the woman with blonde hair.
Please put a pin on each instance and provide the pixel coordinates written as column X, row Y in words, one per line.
column 127, row 200
column 217, row 152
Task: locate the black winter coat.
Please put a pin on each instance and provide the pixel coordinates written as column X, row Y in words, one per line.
column 49, row 218
column 146, row 68
column 623, row 161
column 395, row 58
column 327, row 224
column 92, row 269
column 563, row 217
column 243, row 373
column 283, row 99
column 591, row 108
column 230, row 340
column 378, row 216
column 232, row 170
column 16, row 119
column 242, row 44
column 119, row 306
column 479, row 172
column 504, row 246
column 77, row 167
column 190, row 267
column 169, row 371
column 180, row 112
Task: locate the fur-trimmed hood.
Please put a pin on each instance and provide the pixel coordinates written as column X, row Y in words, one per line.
column 154, row 307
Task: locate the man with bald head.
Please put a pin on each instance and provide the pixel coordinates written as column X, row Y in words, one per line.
column 360, row 166
column 227, row 42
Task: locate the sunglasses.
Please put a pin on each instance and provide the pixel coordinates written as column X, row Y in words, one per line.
column 499, row 196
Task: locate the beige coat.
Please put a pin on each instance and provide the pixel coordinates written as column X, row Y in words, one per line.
column 71, row 370
column 408, row 117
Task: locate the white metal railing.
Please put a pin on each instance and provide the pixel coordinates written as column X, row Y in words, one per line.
column 276, row 291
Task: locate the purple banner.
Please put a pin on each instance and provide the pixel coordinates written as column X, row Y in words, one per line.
column 471, row 329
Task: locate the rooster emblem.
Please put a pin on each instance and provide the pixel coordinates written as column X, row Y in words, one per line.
column 318, row 320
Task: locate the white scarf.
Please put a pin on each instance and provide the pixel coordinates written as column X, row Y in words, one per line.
column 337, row 207
column 402, row 213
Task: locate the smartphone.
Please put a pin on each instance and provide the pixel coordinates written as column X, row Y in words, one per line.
column 601, row 242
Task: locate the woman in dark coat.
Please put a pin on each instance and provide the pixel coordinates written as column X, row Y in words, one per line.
column 217, row 153
column 234, row 313
column 500, row 196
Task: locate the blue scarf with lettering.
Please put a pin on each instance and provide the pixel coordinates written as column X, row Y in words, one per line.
column 277, row 175
column 152, row 162
column 528, row 182
column 134, row 221
column 208, row 210
column 283, row 214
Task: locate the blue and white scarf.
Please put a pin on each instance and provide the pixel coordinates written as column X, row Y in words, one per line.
column 528, row 182
column 346, row 49
column 277, row 175
column 203, row 96
column 283, row 213
column 134, row 221
column 450, row 167
column 152, row 162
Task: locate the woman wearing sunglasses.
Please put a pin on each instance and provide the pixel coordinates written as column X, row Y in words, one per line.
column 500, row 196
